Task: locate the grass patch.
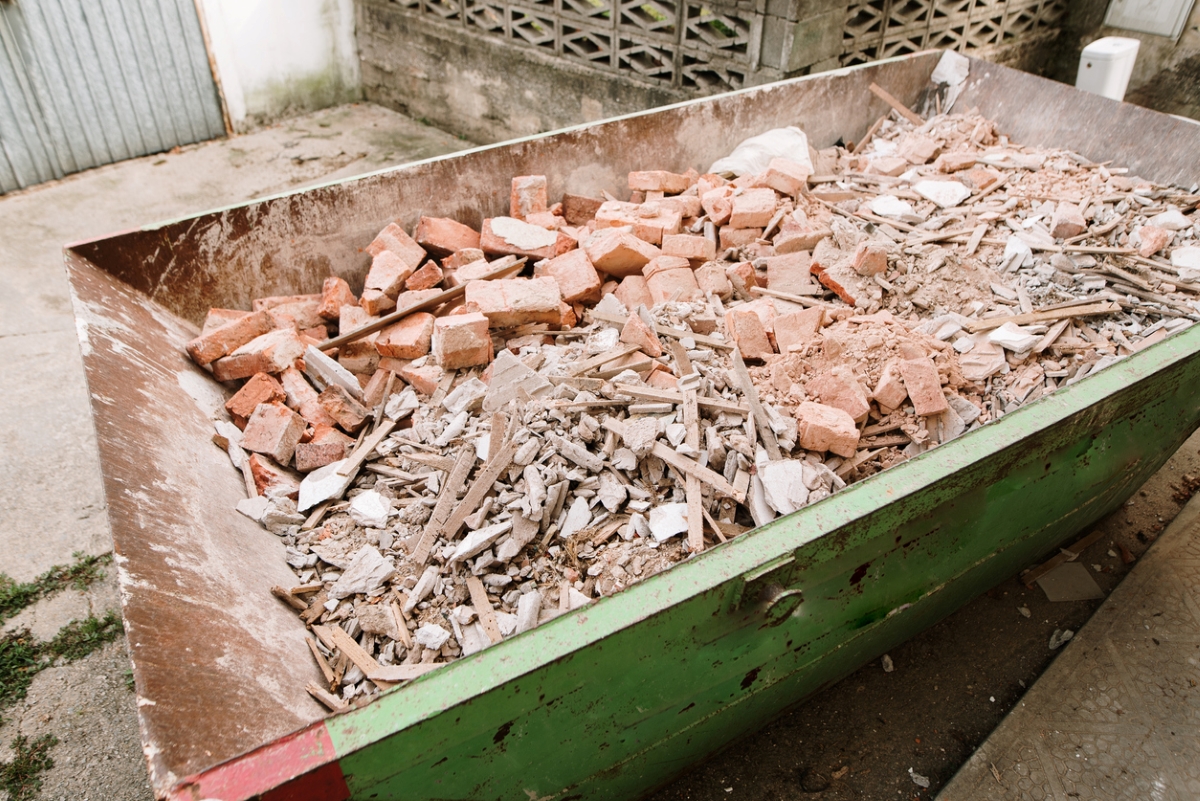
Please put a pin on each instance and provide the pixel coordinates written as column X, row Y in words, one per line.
column 15, row 595
column 19, row 778
column 22, row 657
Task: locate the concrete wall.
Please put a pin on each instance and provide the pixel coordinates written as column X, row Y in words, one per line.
column 1167, row 74
column 279, row 57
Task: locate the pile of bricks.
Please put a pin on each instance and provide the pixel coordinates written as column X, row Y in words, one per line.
column 507, row 424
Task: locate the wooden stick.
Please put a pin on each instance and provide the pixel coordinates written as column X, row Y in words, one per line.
column 483, row 608
column 867, row 136
column 322, row 663
column 683, row 364
column 401, row 625
column 289, row 599
column 684, row 465
column 352, row 650
column 670, row 396
column 975, row 238
column 1054, row 333
column 482, row 486
column 445, row 503
column 788, row 296
column 975, row 326
column 692, row 489
column 394, row 674
column 756, row 409
column 589, row 364
column 425, row 305
column 639, row 366
column 363, row 451
column 327, row 698
column 496, row 437
column 713, row 525
column 896, row 105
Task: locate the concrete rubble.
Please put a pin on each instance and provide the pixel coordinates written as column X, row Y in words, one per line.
column 581, row 394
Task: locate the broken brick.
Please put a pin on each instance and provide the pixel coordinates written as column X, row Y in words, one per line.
column 890, row 392
column 269, row 477
column 272, row 352
column 659, row 181
column 718, row 204
column 789, row 273
column 508, row 236
column 823, row 428
column 1153, row 239
column 636, row 332
column 408, row 339
column 785, row 176
column 753, row 208
column 577, row 279
column 273, row 430
column 670, row 278
column 423, row 379
column 731, row 237
column 219, row 317
column 742, row 277
column 746, row 328
column 224, row 340
column 579, row 210
column 395, row 240
column 311, row 455
column 870, row 259
column 841, row 392
column 633, row 292
column 689, row 246
column 922, row 382
column 796, row 329
column 462, row 340
column 796, row 235
column 342, row 407
column 427, row 277
column 335, row 293
column 918, row 149
column 527, row 196
column 1067, row 221
column 460, row 259
column 441, row 236
column 261, row 388
column 387, row 274
column 712, row 279
column 510, row 302
column 619, row 253
column 955, row 162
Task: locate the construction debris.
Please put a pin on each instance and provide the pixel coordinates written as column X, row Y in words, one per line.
column 465, row 452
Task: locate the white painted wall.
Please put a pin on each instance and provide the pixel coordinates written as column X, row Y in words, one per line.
column 277, row 57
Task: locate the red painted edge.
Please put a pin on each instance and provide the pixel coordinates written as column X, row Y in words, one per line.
column 301, row 766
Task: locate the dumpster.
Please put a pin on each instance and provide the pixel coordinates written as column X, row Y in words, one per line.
column 615, row 698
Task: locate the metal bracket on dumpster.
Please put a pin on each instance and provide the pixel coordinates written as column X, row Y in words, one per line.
column 770, row 590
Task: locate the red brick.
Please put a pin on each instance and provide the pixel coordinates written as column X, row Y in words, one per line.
column 393, row 238
column 670, row 278
column 689, row 246
column 219, row 317
column 731, row 237
column 918, row 149
column 619, row 253
column 795, row 235
column 261, row 388
column 376, row 303
column 654, row 221
column 790, row 273
column 462, row 340
column 837, row 280
column 567, row 317
column 742, row 277
column 923, row 385
column 428, row 277
column 870, row 259
column 796, row 329
column 275, row 301
column 335, row 293
column 268, row 476
column 441, row 236
column 272, row 352
column 718, row 204
column 387, row 274
column 274, row 430
column 222, row 341
column 616, row 213
column 577, row 279
column 824, row 428
column 579, row 210
column 423, row 379
column 660, row 379
column 545, row 219
column 508, row 236
column 955, row 162
column 311, row 455
column 746, row 328
column 408, row 339
column 786, row 177
column 890, row 391
column 711, row 278
column 413, row 297
column 979, row 178
column 510, row 302
column 1153, row 240
column 374, row 389
column 527, row 196
column 456, row 261
column 632, row 292
column 636, row 332
column 840, row 392
column 688, row 206
column 659, row 181
column 342, row 407
column 753, row 208
column 887, row 165
column 304, row 399
column 1067, row 221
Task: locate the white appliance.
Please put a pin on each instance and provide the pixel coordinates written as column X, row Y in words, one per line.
column 1105, row 66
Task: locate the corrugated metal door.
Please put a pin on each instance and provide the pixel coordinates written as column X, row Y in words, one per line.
column 89, row 82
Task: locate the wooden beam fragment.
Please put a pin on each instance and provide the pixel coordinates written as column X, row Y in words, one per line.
column 975, row 326
column 760, row 415
column 684, row 465
column 482, row 486
column 588, row 365
column 896, row 105
column 483, row 608
column 446, row 501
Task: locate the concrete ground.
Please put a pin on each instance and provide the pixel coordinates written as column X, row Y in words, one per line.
column 855, row 740
column 51, row 498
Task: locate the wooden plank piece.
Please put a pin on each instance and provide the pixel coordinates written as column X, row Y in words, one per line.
column 684, row 465
column 661, row 330
column 596, row 361
column 896, row 105
column 760, row 415
column 445, row 503
column 670, row 396
column 364, row 451
column 693, row 492
column 1041, row 316
column 483, row 608
column 1066, row 554
column 326, row 698
column 482, row 486
column 322, row 663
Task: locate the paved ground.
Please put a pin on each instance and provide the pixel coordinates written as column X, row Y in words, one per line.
column 1118, row 714
column 950, row 688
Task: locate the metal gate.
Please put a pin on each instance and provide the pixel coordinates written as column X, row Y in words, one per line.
column 89, row 82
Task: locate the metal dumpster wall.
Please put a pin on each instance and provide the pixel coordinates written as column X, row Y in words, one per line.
column 220, row 665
